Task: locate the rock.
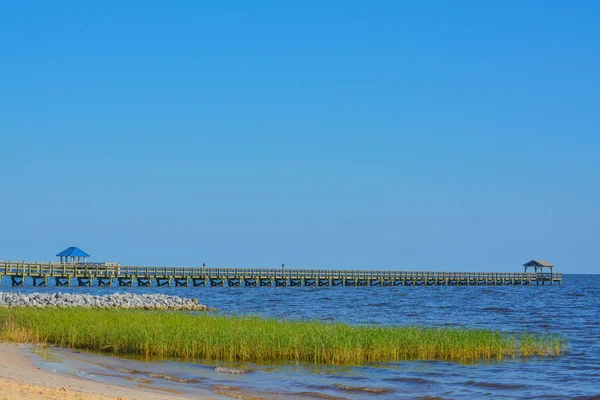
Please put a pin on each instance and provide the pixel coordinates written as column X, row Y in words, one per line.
column 125, row 301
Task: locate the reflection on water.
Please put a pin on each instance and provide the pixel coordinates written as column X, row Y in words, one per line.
column 572, row 310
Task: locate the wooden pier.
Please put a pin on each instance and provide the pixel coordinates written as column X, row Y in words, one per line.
column 90, row 274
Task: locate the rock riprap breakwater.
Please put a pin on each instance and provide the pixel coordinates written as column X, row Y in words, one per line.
column 116, row 300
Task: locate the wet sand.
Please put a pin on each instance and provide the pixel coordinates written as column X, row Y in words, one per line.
column 224, row 381
column 21, row 380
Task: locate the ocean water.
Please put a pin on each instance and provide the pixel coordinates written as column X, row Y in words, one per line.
column 572, row 310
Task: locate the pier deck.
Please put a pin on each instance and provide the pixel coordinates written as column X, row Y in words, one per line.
column 63, row 274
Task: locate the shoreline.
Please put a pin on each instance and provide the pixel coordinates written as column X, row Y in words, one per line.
column 20, row 379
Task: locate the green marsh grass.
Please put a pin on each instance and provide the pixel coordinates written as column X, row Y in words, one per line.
column 260, row 340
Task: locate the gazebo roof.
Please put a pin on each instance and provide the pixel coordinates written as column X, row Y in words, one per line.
column 72, row 252
column 538, row 263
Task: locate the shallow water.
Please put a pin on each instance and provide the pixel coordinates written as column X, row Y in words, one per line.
column 572, row 309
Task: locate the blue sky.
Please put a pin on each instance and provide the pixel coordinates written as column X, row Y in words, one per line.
column 386, row 135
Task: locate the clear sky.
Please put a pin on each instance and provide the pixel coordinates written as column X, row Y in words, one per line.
column 434, row 135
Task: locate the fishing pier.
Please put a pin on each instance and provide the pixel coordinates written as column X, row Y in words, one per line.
column 103, row 274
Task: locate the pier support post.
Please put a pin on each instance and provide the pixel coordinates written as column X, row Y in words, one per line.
column 144, row 281
column 234, row 282
column 199, row 281
column 85, row 281
column 264, row 282
column 181, row 281
column 105, row 281
column 216, row 282
column 40, row 280
column 127, row 281
column 62, row 281
column 163, row 281
column 17, row 280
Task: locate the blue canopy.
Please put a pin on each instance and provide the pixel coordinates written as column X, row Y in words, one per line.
column 72, row 252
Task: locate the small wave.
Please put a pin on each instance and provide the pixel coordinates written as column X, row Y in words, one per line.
column 129, row 371
column 234, row 371
column 171, row 378
column 440, row 374
column 180, row 380
column 235, row 392
column 595, row 397
column 492, row 385
column 384, row 304
column 129, row 378
column 420, row 381
column 581, row 367
column 429, row 398
column 153, row 375
column 318, row 387
column 362, row 389
column 316, row 395
column 501, row 310
column 138, row 380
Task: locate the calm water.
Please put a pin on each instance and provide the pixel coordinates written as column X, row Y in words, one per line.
column 572, row 309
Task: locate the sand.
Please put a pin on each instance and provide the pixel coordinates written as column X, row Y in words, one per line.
column 21, row 380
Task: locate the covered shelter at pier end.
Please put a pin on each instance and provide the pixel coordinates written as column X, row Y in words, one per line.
column 538, row 267
column 75, row 254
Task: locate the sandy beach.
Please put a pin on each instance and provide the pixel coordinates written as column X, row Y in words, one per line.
column 21, row 380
